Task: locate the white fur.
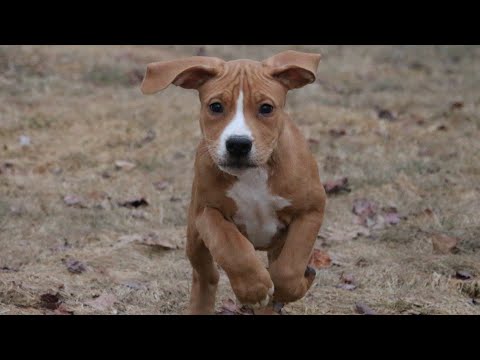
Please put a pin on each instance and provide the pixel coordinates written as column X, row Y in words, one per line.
column 256, row 206
column 236, row 127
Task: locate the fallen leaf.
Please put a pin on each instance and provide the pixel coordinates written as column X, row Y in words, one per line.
column 463, row 275
column 161, row 185
column 443, row 244
column 366, row 212
column 134, row 285
column 153, row 239
column 346, row 233
column 229, row 307
column 457, row 105
column 364, row 207
column 102, row 302
column 50, row 301
column 74, row 200
column 7, row 168
column 347, row 278
column 362, row 262
column 336, row 186
column 134, row 203
column 313, row 141
column 24, row 140
column 320, row 259
column 75, row 266
column 336, row 133
column 390, row 215
column 349, row 287
column 149, row 137
column 124, row 165
column 363, row 309
column 7, row 269
column 347, row 282
column 61, row 310
column 386, row 115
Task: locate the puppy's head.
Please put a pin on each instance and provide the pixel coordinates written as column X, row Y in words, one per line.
column 242, row 101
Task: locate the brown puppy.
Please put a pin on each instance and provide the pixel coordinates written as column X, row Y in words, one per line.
column 256, row 184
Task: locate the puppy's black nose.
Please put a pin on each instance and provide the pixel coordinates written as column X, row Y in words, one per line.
column 238, row 146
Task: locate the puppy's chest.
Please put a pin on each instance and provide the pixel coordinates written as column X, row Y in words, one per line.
column 256, row 207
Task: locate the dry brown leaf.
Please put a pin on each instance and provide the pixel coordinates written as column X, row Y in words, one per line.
column 74, row 200
column 124, row 165
column 349, row 287
column 336, row 186
column 390, row 215
column 364, row 207
column 364, row 309
column 336, row 133
column 350, row 232
column 61, row 310
column 75, row 266
column 149, row 137
column 347, row 282
column 463, row 275
column 229, row 307
column 443, row 244
column 386, row 115
column 103, row 302
column 161, row 185
column 50, row 301
column 155, row 240
column 368, row 214
column 320, row 259
column 134, row 203
column 457, row 105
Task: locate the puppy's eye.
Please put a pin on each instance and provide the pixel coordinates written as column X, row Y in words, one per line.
column 216, row 107
column 265, row 109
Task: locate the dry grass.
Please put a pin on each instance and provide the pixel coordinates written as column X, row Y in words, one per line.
column 82, row 109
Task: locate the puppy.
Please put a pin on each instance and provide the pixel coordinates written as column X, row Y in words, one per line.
column 256, row 184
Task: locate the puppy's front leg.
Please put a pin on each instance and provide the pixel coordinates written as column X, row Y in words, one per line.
column 248, row 277
column 288, row 268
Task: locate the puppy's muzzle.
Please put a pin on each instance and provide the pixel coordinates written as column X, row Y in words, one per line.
column 238, row 147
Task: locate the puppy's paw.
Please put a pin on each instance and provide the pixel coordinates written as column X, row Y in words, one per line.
column 254, row 294
column 263, row 303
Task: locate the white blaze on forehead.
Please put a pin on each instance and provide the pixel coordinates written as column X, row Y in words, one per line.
column 236, row 127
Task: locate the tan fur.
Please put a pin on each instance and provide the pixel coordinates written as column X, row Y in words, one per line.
column 212, row 236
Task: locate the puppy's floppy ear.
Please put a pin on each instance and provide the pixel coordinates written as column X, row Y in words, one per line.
column 189, row 73
column 293, row 69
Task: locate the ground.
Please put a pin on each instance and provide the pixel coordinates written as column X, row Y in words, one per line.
column 400, row 122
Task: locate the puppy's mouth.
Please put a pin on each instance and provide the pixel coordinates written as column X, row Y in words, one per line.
column 237, row 164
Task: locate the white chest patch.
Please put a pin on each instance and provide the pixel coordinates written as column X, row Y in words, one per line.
column 256, row 206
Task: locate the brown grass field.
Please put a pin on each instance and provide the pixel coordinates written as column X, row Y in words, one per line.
column 412, row 141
